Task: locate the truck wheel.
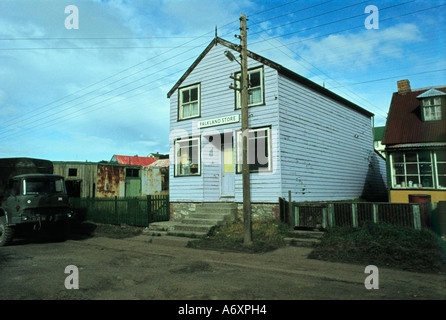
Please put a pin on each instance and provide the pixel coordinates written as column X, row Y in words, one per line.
column 6, row 232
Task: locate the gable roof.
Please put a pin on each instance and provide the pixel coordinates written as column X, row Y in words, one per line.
column 404, row 123
column 282, row 70
column 134, row 161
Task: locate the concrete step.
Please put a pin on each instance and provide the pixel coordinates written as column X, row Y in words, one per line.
column 193, row 227
column 198, row 221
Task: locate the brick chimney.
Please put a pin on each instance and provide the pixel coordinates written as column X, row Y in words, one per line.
column 403, row 86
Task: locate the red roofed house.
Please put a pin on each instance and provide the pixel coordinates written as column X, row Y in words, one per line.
column 135, row 160
column 415, row 140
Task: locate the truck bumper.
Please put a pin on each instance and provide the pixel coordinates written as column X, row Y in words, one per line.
column 42, row 218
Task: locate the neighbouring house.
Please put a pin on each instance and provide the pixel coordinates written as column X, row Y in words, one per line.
column 303, row 138
column 80, row 177
column 378, row 134
column 415, row 140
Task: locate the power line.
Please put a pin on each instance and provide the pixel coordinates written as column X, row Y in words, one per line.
column 348, row 29
column 393, row 77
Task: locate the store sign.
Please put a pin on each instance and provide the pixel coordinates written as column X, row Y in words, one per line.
column 219, row 121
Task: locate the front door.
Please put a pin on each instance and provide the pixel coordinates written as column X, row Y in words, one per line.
column 227, row 169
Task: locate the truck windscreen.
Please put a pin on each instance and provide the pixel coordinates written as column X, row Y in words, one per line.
column 44, row 186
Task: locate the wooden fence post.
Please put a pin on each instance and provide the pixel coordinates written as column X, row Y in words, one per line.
column 324, row 217
column 354, row 215
column 416, row 217
column 149, row 208
column 375, row 212
column 290, row 212
column 331, row 215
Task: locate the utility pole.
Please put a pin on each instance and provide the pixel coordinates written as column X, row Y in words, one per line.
column 243, row 89
column 247, row 224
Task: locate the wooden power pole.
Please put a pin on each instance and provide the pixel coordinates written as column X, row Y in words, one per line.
column 247, row 230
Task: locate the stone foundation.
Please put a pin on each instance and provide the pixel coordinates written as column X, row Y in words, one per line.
column 259, row 211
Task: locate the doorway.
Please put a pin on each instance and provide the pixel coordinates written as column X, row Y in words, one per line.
column 227, row 167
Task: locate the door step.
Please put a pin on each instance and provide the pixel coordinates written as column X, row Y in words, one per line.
column 206, row 216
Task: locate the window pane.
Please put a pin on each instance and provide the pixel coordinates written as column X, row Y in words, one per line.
column 185, row 94
column 194, row 109
column 411, row 157
column 424, row 156
column 426, row 182
column 411, row 169
column 397, row 157
column 441, row 155
column 412, row 181
column 400, row 181
column 442, row 181
column 258, row 150
column 194, row 94
column 255, row 96
column 255, row 79
column 188, row 157
column 186, row 111
column 441, row 168
column 426, row 169
column 399, row 168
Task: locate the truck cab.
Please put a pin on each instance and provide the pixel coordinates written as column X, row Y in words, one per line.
column 36, row 201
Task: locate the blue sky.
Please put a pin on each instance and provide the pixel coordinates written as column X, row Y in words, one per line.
column 88, row 93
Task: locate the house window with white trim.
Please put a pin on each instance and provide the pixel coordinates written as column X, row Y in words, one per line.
column 419, row 169
column 259, row 150
column 432, row 109
column 187, row 157
column 255, row 88
column 440, row 160
column 189, row 102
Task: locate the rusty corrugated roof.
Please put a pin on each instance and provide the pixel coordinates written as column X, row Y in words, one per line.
column 404, row 122
column 163, row 163
column 133, row 160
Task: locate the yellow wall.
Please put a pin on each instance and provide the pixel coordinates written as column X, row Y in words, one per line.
column 402, row 196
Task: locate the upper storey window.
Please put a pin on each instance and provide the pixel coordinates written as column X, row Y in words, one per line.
column 189, row 102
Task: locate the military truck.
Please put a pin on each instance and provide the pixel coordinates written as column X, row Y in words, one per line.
column 32, row 198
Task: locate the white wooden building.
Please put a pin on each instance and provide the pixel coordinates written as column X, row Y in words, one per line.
column 303, row 137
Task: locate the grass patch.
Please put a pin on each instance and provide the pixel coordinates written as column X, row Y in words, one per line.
column 383, row 245
column 267, row 235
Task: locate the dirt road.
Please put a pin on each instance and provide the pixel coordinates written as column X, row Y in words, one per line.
column 149, row 268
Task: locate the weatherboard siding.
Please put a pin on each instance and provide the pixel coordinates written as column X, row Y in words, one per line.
column 324, row 145
column 217, row 100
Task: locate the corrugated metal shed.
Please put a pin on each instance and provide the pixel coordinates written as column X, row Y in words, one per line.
column 405, row 125
column 132, row 160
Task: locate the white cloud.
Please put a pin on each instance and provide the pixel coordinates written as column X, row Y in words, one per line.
column 360, row 50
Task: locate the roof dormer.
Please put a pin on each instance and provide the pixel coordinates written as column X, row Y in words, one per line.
column 432, row 103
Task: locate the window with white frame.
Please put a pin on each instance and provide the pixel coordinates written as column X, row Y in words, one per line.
column 440, row 160
column 187, row 157
column 255, row 88
column 259, row 150
column 432, row 109
column 419, row 169
column 189, row 102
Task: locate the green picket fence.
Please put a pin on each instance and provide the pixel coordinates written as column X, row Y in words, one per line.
column 139, row 211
